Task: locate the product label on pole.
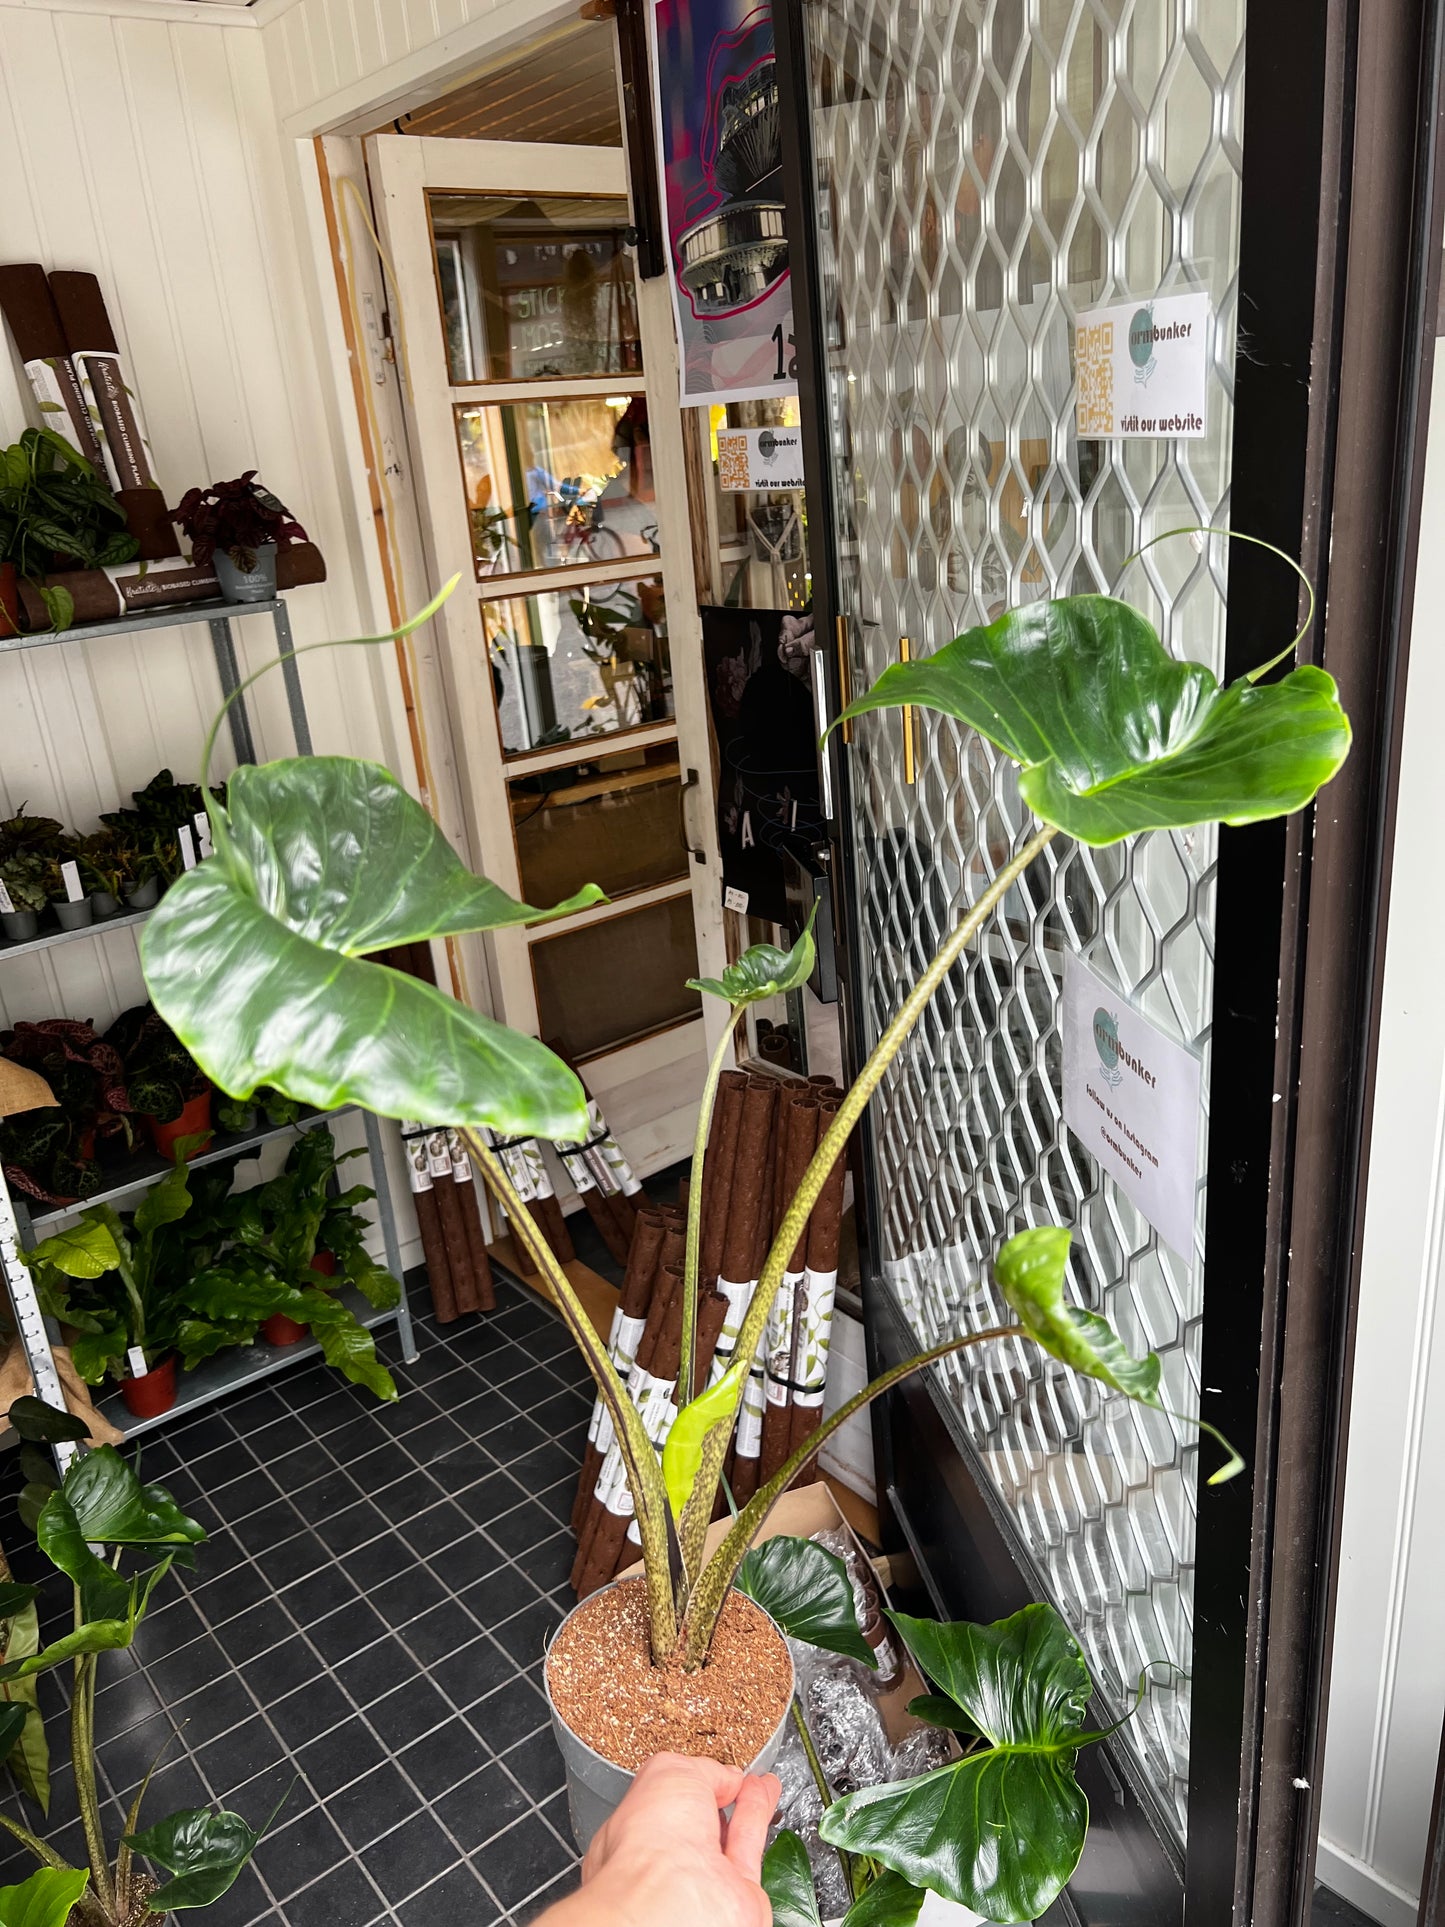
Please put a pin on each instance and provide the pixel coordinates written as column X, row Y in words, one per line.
column 188, row 846
column 70, row 876
column 1143, row 369
column 438, row 1155
column 413, row 1144
column 1132, row 1098
column 756, row 459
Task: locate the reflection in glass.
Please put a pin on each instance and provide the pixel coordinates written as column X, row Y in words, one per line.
column 615, row 982
column 553, row 483
column 532, row 289
column 613, row 820
column 578, row 665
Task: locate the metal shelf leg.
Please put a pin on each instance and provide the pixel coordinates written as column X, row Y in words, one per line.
column 30, row 1321
column 223, row 645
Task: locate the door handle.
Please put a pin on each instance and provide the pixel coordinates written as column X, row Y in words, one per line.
column 690, row 782
column 910, row 756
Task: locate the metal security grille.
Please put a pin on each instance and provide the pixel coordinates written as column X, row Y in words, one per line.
column 985, row 170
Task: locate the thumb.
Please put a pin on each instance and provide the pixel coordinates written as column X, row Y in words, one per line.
column 748, row 1828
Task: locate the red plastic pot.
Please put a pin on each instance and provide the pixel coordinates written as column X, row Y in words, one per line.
column 195, row 1117
column 148, row 1397
column 9, row 600
column 280, row 1330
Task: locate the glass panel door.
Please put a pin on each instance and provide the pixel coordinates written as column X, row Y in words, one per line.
column 986, row 172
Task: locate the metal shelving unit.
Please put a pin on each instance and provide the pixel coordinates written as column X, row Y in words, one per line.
column 247, row 1364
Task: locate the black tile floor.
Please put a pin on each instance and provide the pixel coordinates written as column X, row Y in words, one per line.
column 362, row 1634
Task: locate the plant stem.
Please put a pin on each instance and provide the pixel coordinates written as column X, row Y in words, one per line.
column 82, row 1755
column 825, row 1793
column 834, row 1140
column 47, row 1855
column 694, row 1213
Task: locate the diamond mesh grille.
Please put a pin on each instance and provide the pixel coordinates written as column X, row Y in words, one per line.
column 986, row 169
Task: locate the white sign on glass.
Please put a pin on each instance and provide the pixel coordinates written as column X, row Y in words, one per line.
column 1131, row 1097
column 1143, row 369
column 751, row 459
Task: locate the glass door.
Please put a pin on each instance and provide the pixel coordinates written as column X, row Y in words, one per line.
column 982, row 174
column 536, row 377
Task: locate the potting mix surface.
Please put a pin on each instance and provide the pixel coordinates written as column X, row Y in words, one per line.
column 607, row 1689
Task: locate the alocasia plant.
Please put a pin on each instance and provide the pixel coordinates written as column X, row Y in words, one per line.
column 257, row 960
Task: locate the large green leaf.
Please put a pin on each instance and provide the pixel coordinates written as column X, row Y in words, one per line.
column 1030, row 1270
column 1001, row 1830
column 112, row 1507
column 41, row 1424
column 108, row 1622
column 169, row 1200
column 787, row 1880
column 30, row 1758
column 1113, row 734
column 82, row 1250
column 807, row 1591
column 253, row 957
column 45, row 1899
column 937, row 1709
column 346, row 1345
column 888, row 1901
column 203, row 1849
column 763, row 971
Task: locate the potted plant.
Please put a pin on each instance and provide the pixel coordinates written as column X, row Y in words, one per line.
column 55, row 511
column 91, row 1525
column 106, row 864
column 70, row 912
column 167, row 1087
column 1112, row 737
column 235, row 526
column 241, row 1115
column 23, row 874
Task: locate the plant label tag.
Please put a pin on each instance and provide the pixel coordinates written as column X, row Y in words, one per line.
column 1143, row 369
column 5, row 904
column 188, row 846
column 203, row 833
column 1132, row 1098
column 136, row 1359
column 70, row 876
column 735, row 899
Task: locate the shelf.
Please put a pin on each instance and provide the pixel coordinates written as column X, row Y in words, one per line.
column 171, row 616
column 232, row 1371
column 144, row 1167
column 47, row 940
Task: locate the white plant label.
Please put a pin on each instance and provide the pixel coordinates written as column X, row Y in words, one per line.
column 5, row 904
column 1131, row 1097
column 188, row 846
column 1143, row 369
column 203, row 833
column 136, row 1359
column 70, row 877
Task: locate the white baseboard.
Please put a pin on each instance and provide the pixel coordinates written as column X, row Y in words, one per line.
column 1365, row 1888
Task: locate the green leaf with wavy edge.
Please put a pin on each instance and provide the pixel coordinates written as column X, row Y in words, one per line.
column 787, row 1880
column 937, row 1709
column 347, row 1345
column 82, row 1250
column 41, row 1424
column 763, row 971
column 112, row 1507
column 888, row 1901
column 1000, row 1831
column 45, row 1899
column 254, row 957
column 682, row 1451
column 1030, row 1269
column 98, row 1633
column 807, row 1591
column 1114, row 735
column 205, row 1850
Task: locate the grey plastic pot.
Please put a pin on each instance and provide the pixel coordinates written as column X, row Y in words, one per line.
column 104, row 904
column 145, row 896
column 74, row 916
column 595, row 1787
column 247, row 585
column 19, row 926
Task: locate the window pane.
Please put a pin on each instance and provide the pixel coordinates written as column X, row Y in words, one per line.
column 617, row 981
column 532, row 289
column 552, row 483
column 569, row 666
column 615, row 821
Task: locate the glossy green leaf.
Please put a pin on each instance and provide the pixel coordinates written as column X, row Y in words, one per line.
column 346, row 1345
column 682, row 1451
column 888, row 1901
column 12, row 1725
column 1000, row 1831
column 253, row 957
column 937, row 1709
column 45, row 1899
column 82, row 1250
column 112, row 1507
column 205, row 1851
column 763, row 971
column 170, row 1200
column 99, row 1632
column 30, row 1758
column 807, row 1591
column 1113, row 734
column 42, row 1424
column 787, row 1880
column 1030, row 1270
column 14, row 1598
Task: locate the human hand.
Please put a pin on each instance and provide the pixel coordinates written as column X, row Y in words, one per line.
column 668, row 1858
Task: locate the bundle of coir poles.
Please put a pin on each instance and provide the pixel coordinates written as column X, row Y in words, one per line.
column 763, row 1134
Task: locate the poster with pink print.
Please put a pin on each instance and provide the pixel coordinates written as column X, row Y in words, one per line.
column 720, row 153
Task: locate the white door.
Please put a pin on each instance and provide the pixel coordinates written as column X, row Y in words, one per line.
column 540, row 379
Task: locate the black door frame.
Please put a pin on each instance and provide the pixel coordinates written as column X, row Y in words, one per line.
column 1340, row 241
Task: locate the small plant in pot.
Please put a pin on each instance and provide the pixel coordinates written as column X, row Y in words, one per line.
column 65, row 889
column 1112, row 737
column 93, row 1526
column 55, row 512
column 108, row 866
column 236, row 526
column 167, row 1087
column 24, row 874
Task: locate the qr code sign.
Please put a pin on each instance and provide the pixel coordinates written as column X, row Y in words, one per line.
column 1094, row 350
column 732, row 462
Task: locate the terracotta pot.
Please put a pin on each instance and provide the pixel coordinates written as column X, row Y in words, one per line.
column 148, row 1397
column 279, row 1330
column 195, row 1117
column 9, row 600
column 325, row 1263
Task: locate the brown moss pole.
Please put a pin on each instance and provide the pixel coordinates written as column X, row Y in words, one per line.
column 428, row 1218
column 627, row 1327
column 821, row 1281
column 799, row 1137
column 463, row 1177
